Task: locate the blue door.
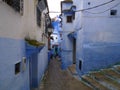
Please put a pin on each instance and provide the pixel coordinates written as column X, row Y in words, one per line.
column 33, row 71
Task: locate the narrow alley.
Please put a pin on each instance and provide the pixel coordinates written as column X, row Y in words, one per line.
column 57, row 79
column 59, row 45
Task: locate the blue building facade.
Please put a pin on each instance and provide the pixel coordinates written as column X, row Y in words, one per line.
column 22, row 65
column 67, row 42
column 12, row 51
column 56, row 31
column 29, row 73
column 96, row 34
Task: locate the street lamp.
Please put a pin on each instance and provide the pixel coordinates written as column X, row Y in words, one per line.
column 73, row 8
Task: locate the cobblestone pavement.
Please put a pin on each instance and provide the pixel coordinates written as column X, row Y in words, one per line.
column 57, row 79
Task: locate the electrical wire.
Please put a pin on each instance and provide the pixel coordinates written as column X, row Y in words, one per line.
column 88, row 8
column 54, row 12
column 95, row 6
column 104, row 10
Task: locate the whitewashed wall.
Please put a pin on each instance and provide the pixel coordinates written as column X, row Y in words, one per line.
column 13, row 29
column 18, row 26
column 11, row 25
column 66, row 44
column 98, row 35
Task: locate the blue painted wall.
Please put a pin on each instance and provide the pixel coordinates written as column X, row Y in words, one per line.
column 42, row 63
column 66, row 51
column 98, row 45
column 55, row 25
column 98, row 35
column 65, row 44
column 33, row 71
column 11, row 52
column 97, row 39
column 56, row 30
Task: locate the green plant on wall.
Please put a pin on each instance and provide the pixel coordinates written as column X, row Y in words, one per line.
column 34, row 42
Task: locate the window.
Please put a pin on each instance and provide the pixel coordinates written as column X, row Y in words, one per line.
column 17, row 5
column 21, row 7
column 17, row 68
column 38, row 17
column 69, row 19
column 113, row 12
column 80, row 65
column 89, row 3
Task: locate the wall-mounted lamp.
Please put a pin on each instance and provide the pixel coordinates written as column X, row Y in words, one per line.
column 73, row 8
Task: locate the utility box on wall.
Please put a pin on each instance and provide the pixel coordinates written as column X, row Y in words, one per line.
column 24, row 64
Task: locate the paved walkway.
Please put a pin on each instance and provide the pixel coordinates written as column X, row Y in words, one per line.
column 57, row 79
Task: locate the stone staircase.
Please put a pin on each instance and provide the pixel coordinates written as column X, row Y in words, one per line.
column 105, row 79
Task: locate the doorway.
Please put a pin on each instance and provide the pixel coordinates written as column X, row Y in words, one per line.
column 33, row 71
column 74, row 51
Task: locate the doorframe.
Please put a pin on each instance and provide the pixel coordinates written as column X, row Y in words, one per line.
column 74, row 51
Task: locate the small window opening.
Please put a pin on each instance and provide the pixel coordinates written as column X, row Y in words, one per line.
column 113, row 12
column 17, row 68
column 17, row 5
column 80, row 64
column 89, row 3
column 69, row 19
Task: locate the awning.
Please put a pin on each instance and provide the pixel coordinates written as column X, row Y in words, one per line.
column 73, row 35
column 68, row 12
column 30, row 49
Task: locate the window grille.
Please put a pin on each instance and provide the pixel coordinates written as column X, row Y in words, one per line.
column 17, row 5
column 21, row 6
column 69, row 19
column 38, row 17
column 113, row 12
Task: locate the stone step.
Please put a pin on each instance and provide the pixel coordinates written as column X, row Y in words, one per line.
column 72, row 69
column 117, row 68
column 105, row 81
column 111, row 73
column 93, row 83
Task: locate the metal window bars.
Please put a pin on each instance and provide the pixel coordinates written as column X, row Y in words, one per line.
column 17, row 5
column 38, row 17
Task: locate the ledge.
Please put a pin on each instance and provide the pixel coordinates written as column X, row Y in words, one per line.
column 33, row 46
